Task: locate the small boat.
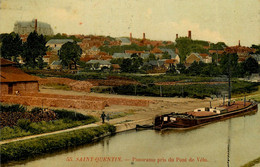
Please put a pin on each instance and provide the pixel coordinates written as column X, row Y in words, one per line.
column 203, row 116
column 144, row 127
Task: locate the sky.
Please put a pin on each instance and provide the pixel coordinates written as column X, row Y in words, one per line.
column 211, row 20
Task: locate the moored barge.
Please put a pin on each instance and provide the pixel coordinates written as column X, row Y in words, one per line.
column 203, row 116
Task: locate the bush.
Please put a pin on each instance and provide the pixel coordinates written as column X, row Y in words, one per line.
column 23, row 123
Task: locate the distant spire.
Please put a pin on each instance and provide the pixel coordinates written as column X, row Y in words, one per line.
column 239, row 43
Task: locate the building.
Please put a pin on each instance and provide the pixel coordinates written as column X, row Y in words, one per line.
column 56, row 44
column 205, row 58
column 172, row 54
column 124, row 41
column 56, row 65
column 100, row 64
column 23, row 27
column 121, row 55
column 14, row 80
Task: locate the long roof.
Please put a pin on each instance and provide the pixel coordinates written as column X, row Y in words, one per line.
column 13, row 74
column 5, row 62
column 101, row 62
column 59, row 41
column 170, row 52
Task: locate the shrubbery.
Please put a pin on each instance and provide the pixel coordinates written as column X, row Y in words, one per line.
column 24, row 126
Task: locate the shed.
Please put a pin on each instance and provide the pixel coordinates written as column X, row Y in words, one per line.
column 14, row 79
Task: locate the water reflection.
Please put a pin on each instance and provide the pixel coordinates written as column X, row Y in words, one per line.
column 230, row 143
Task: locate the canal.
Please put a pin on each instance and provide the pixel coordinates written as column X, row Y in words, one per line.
column 232, row 143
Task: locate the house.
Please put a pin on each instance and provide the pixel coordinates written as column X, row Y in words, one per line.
column 115, row 67
column 100, row 64
column 124, row 41
column 156, row 66
column 205, row 58
column 193, row 57
column 57, row 43
column 157, row 52
column 14, row 80
column 121, row 55
column 169, row 62
column 56, row 65
column 172, row 54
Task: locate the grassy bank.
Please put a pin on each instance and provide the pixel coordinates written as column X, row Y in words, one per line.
column 33, row 147
column 252, row 163
column 16, row 121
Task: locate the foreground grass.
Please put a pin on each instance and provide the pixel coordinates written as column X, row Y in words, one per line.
column 37, row 146
column 252, row 163
column 40, row 127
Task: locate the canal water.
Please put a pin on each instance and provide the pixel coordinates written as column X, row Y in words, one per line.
column 230, row 143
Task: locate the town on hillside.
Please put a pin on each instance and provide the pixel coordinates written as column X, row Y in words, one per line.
column 83, row 53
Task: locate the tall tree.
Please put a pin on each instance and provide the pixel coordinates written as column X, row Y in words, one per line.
column 11, row 46
column 184, row 46
column 229, row 61
column 251, row 65
column 70, row 54
column 33, row 50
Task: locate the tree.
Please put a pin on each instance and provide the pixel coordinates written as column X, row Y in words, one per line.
column 33, row 50
column 126, row 65
column 229, row 61
column 183, row 44
column 181, row 68
column 69, row 54
column 171, row 69
column 251, row 65
column 11, row 46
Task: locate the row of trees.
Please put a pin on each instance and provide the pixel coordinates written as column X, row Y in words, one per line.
column 227, row 62
column 33, row 50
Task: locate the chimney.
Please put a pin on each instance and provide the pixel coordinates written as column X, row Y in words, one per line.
column 189, row 34
column 239, row 43
column 35, row 25
column 130, row 36
column 177, row 36
column 143, row 36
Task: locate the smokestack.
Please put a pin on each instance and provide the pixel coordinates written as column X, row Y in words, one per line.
column 130, row 36
column 143, row 36
column 239, row 43
column 35, row 25
column 189, row 34
column 177, row 36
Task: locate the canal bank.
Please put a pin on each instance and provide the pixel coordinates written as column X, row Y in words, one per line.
column 234, row 141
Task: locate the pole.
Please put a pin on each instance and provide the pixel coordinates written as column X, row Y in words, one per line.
column 161, row 90
column 223, row 100
column 229, row 81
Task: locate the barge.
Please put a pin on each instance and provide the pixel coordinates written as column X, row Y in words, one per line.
column 203, row 116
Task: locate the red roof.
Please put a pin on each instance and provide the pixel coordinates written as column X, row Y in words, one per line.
column 13, row 74
column 170, row 61
column 156, row 50
column 204, row 55
column 116, row 66
column 4, row 62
